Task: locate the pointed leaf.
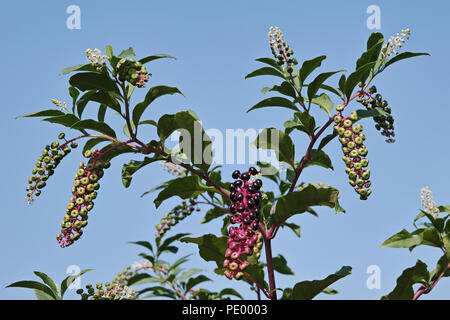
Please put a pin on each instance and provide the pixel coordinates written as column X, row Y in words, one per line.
column 274, row 102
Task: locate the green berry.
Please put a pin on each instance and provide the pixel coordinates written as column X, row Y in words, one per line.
column 61, row 136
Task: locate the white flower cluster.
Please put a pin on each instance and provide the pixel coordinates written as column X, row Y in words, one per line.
column 96, row 58
column 121, row 293
column 394, row 44
column 275, row 36
column 172, row 168
column 143, row 265
column 428, row 204
column 60, row 104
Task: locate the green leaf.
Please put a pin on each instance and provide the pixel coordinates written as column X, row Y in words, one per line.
column 155, row 57
column 91, row 124
column 265, row 71
column 67, row 120
column 142, row 278
column 274, row 102
column 374, row 39
column 89, row 81
column 300, row 201
column 152, row 94
column 48, row 281
column 409, row 277
column 302, row 121
column 307, row 290
column 34, row 285
column 184, row 187
column 166, row 243
column 342, row 81
column 70, row 279
column 211, row 248
column 92, row 143
column 293, row 227
column 404, row 55
column 213, row 213
column 374, row 44
column 196, row 146
column 370, row 113
column 314, row 86
column 271, row 62
column 80, row 67
column 41, row 295
column 359, row 75
column 115, row 152
column 107, row 99
column 109, row 51
column 192, row 282
column 324, row 102
column 131, row 167
column 327, row 139
column 319, row 158
column 43, row 113
column 431, row 237
column 74, row 93
column 127, row 53
column 101, row 113
column 309, row 66
column 330, row 291
column 229, row 292
column 280, row 265
column 404, row 239
column 144, row 244
column 281, row 143
column 285, row 88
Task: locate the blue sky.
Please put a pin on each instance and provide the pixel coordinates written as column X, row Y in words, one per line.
column 215, row 44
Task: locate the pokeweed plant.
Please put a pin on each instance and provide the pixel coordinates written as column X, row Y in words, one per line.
column 435, row 232
column 259, row 214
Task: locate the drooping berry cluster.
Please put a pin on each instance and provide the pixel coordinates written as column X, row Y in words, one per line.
column 383, row 123
column 245, row 197
column 352, row 140
column 83, row 193
column 176, row 215
column 280, row 49
column 45, row 166
column 132, row 71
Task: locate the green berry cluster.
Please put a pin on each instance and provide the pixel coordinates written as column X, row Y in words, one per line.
column 280, row 49
column 175, row 216
column 83, row 194
column 383, row 123
column 109, row 291
column 132, row 71
column 46, row 164
column 352, row 140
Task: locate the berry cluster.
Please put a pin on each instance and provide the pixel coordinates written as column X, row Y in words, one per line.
column 132, row 71
column 83, row 192
column 114, row 291
column 176, row 215
column 45, row 166
column 280, row 49
column 245, row 197
column 352, row 140
column 385, row 123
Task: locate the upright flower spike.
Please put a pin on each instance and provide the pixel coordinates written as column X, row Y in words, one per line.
column 428, row 203
column 245, row 197
column 45, row 167
column 352, row 140
column 83, row 193
column 96, row 58
column 280, row 49
column 394, row 44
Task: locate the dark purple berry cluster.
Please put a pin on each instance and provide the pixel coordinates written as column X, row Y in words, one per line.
column 83, row 193
column 383, row 123
column 245, row 196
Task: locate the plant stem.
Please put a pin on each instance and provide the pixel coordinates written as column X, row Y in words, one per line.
column 270, row 271
column 424, row 290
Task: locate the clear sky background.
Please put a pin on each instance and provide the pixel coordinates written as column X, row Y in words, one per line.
column 215, row 43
